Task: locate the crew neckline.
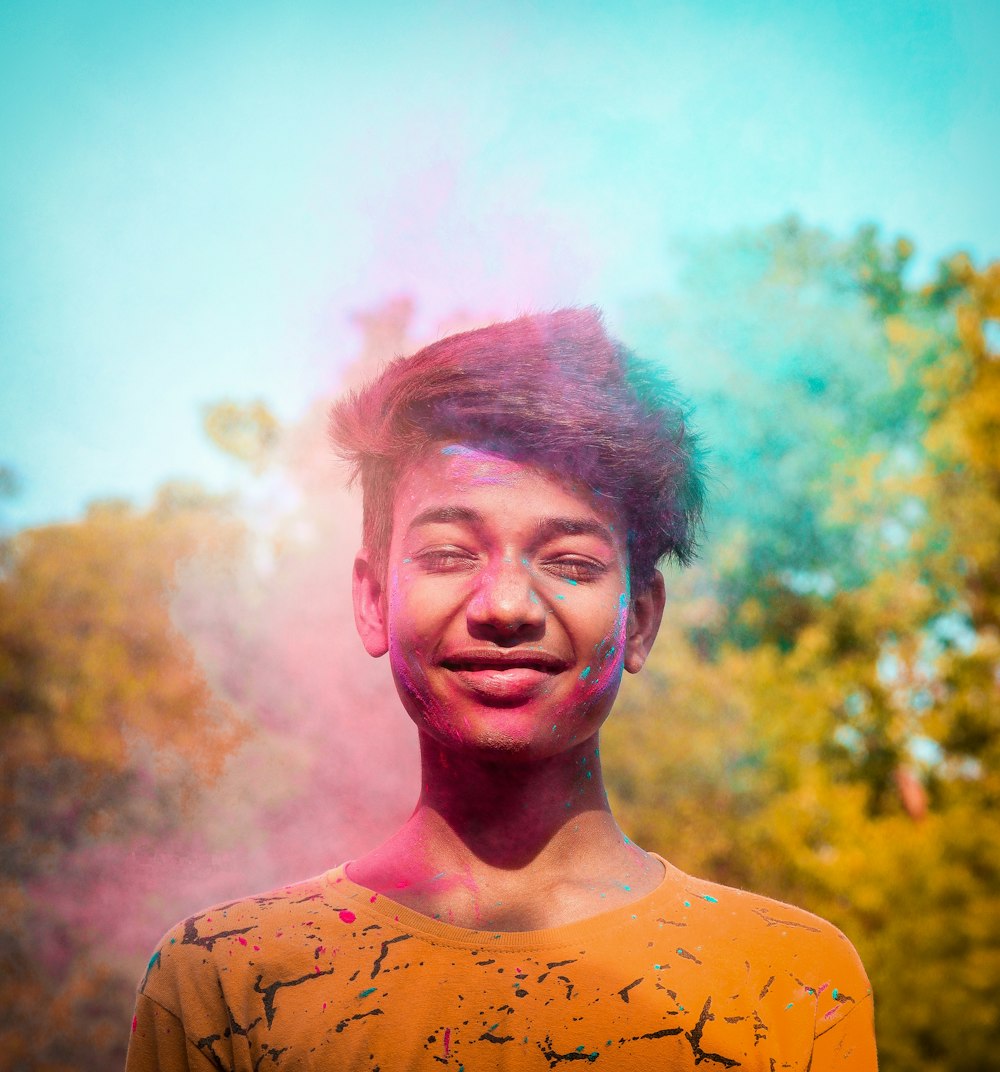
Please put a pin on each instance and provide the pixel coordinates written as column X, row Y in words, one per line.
column 408, row 919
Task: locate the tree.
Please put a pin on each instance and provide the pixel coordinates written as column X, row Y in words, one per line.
column 828, row 699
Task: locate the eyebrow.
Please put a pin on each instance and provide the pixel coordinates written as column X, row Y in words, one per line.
column 444, row 515
column 546, row 529
column 550, row 527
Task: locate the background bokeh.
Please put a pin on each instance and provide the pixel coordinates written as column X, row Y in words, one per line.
column 216, row 217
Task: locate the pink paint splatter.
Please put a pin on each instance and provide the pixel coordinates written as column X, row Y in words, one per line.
column 347, row 916
column 447, row 1040
column 242, row 940
column 135, row 1023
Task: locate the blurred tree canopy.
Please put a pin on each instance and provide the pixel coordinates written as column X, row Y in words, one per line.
column 90, row 664
column 820, row 720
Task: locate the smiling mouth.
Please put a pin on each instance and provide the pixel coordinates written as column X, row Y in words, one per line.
column 504, row 679
column 481, row 662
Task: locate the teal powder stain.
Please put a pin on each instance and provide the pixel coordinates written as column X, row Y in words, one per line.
column 365, row 993
column 560, row 597
column 626, row 887
column 687, row 904
column 836, row 993
column 585, row 672
column 569, row 580
column 172, row 940
column 554, row 727
column 711, row 900
column 789, row 1005
column 656, row 967
column 590, row 774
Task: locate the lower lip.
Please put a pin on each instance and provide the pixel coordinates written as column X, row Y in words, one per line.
column 516, row 685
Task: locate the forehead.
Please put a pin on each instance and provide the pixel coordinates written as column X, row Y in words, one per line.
column 502, row 486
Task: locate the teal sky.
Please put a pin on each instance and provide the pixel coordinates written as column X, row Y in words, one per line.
column 194, row 197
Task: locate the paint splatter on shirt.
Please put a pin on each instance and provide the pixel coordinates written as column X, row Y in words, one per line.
column 323, row 975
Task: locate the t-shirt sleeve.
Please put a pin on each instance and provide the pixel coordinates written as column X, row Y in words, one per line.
column 158, row 1042
column 179, row 1023
column 849, row 1043
column 845, row 1022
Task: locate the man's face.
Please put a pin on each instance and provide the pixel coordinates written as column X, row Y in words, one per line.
column 506, row 606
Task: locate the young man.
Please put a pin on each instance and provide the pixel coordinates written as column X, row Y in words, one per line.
column 520, row 484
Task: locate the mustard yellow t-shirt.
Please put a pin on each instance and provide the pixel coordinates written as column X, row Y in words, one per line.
column 328, row 975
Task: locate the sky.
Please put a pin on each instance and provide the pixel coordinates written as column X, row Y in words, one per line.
column 196, row 200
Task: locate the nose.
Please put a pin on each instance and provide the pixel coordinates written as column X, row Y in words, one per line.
column 504, row 607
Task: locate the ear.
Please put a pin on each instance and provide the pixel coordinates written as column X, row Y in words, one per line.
column 370, row 605
column 644, row 619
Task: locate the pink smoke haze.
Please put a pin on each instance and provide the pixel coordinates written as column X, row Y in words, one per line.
column 328, row 765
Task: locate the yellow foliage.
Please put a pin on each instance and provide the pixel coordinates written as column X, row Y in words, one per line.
column 91, row 655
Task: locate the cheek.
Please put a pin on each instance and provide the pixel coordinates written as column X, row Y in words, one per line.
column 403, row 630
column 601, row 677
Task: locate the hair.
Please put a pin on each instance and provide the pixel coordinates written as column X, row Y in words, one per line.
column 552, row 389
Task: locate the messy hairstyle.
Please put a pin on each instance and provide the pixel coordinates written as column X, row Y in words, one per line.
column 553, row 389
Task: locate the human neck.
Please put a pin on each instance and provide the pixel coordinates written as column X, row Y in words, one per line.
column 509, row 845
column 508, row 814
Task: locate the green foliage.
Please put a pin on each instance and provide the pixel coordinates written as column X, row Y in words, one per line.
column 822, row 719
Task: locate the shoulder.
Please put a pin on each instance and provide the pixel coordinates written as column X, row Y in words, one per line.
column 191, row 959
column 795, row 952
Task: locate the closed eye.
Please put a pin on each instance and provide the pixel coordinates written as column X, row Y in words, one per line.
column 574, row 568
column 446, row 559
